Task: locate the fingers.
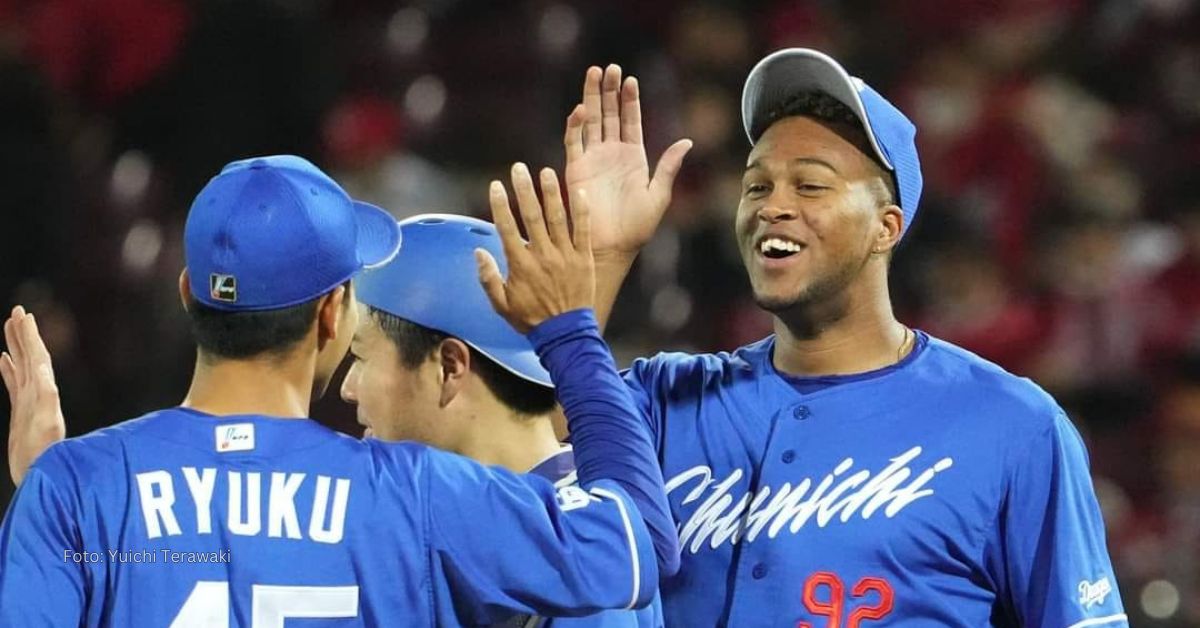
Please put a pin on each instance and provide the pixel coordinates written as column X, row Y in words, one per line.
column 581, row 213
column 41, row 367
column 492, row 281
column 556, row 214
column 591, row 102
column 631, row 112
column 506, row 224
column 10, row 334
column 33, row 345
column 9, row 375
column 668, row 168
column 573, row 139
column 12, row 338
column 610, row 99
column 531, row 208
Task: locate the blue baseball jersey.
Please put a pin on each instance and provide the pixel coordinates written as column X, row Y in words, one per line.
column 184, row 519
column 941, row 491
column 560, row 469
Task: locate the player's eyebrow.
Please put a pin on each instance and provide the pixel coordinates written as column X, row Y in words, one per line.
column 812, row 161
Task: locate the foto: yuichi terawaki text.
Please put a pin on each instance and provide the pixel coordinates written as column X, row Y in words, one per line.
column 165, row 556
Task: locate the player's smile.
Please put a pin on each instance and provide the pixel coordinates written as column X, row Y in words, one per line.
column 776, row 251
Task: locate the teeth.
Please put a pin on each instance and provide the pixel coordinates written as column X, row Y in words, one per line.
column 778, row 244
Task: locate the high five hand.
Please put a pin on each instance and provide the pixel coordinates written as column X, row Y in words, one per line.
column 605, row 156
column 36, row 421
column 552, row 273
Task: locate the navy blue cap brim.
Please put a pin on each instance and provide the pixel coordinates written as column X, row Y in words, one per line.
column 378, row 235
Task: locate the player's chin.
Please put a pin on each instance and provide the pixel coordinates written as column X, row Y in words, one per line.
column 775, row 304
column 776, row 294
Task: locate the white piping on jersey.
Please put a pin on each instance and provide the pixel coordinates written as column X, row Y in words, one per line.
column 1100, row 621
column 567, row 480
column 721, row 517
column 561, row 450
column 633, row 553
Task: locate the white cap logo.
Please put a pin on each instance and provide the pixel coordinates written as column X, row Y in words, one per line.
column 222, row 287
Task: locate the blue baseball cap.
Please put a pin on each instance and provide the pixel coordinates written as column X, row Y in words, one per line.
column 272, row 232
column 784, row 73
column 434, row 282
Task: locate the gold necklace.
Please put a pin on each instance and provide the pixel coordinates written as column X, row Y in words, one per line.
column 908, row 336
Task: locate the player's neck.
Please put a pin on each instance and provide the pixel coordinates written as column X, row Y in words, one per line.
column 855, row 334
column 512, row 441
column 228, row 387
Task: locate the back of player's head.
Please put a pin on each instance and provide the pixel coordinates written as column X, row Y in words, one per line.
column 796, row 81
column 264, row 240
column 239, row 335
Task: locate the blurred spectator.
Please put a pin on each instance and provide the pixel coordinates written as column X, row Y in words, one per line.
column 1059, row 233
column 973, row 304
column 1159, row 547
column 1174, row 295
column 364, row 142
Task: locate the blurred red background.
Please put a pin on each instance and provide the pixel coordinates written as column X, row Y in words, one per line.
column 1059, row 233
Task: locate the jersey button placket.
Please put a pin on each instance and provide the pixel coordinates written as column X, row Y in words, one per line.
column 788, row 456
column 759, row 572
column 801, row 412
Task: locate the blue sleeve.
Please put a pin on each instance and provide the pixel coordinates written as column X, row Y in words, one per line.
column 639, row 379
column 1049, row 555
column 503, row 543
column 607, row 431
column 41, row 583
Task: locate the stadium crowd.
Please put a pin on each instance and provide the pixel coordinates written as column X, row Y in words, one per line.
column 1059, row 232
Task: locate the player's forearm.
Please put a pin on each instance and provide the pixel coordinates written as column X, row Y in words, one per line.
column 607, row 432
column 611, row 271
column 23, row 451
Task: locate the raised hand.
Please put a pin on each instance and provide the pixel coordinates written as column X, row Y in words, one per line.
column 36, row 420
column 554, row 272
column 605, row 156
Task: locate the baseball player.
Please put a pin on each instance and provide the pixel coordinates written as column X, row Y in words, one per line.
column 434, row 363
column 223, row 510
column 846, row 470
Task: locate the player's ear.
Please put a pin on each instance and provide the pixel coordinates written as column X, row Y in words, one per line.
column 185, row 289
column 330, row 311
column 454, row 364
column 891, row 226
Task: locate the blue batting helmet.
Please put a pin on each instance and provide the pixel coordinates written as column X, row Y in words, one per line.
column 433, row 282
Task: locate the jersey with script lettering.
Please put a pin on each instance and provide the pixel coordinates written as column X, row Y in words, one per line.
column 560, row 469
column 185, row 519
column 940, row 491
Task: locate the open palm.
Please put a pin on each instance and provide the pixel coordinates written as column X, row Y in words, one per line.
column 606, row 157
column 37, row 420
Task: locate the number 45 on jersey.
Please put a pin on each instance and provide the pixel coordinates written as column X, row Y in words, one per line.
column 208, row 605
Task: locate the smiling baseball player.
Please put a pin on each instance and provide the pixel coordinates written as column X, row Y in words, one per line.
column 846, row 470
